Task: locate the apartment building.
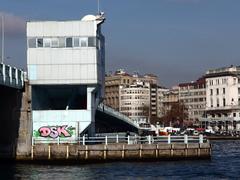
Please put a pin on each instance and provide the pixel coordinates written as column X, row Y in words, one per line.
column 123, row 79
column 193, row 96
column 135, row 101
column 223, row 98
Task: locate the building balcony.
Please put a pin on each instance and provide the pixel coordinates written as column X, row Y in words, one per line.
column 217, row 119
column 224, row 108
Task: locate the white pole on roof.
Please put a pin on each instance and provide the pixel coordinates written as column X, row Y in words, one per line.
column 2, row 39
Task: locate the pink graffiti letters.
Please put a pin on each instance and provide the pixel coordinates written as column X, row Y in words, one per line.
column 54, row 131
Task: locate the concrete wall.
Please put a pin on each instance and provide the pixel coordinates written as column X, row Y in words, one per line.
column 119, row 152
column 10, row 105
column 23, row 142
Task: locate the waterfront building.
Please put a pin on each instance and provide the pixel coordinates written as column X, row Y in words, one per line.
column 169, row 98
column 66, row 71
column 161, row 101
column 112, row 87
column 223, row 99
column 193, row 96
column 135, row 101
column 114, row 83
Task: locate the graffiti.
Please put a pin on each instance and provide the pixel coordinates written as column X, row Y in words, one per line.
column 54, row 131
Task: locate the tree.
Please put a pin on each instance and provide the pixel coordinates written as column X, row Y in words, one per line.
column 176, row 115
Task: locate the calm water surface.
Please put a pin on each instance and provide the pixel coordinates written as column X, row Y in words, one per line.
column 225, row 164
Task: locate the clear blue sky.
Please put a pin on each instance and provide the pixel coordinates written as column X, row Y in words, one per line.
column 178, row 40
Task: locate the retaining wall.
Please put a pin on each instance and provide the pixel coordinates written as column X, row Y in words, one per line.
column 85, row 153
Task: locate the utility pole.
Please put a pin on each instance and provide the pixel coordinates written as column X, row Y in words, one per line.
column 2, row 39
column 98, row 7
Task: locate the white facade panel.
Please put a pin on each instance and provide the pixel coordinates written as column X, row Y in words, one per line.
column 61, row 28
column 65, row 124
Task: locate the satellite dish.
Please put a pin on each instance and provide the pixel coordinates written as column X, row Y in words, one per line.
column 89, row 18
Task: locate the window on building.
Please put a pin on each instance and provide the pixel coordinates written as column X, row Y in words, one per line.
column 61, row 42
column 92, row 42
column 32, row 43
column 234, row 80
column 211, row 92
column 238, row 90
column 238, row 101
column 40, row 42
column 223, row 90
column 217, row 102
column 47, row 42
column 69, row 42
column 76, row 42
column 217, row 91
column 211, row 102
column 83, row 42
column 234, row 114
column 224, row 102
column 55, row 43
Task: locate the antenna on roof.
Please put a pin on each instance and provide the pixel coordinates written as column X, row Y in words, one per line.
column 98, row 6
column 2, row 38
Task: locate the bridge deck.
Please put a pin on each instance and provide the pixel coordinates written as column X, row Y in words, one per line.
column 11, row 77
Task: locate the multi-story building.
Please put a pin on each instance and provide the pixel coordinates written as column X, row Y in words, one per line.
column 135, row 101
column 169, row 97
column 193, row 96
column 223, row 98
column 66, row 73
column 161, row 95
column 112, row 87
column 122, row 79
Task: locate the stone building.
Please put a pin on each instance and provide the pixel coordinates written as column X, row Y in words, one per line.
column 223, row 98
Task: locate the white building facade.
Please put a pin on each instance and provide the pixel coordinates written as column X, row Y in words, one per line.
column 223, row 99
column 66, row 68
column 135, row 102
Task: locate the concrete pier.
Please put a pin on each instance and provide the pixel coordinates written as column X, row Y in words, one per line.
column 111, row 152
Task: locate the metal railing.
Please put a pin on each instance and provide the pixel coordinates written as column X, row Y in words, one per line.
column 11, row 76
column 85, row 140
column 111, row 111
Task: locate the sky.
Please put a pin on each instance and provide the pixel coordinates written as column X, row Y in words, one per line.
column 178, row 40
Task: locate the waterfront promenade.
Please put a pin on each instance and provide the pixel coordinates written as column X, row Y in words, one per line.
column 110, row 148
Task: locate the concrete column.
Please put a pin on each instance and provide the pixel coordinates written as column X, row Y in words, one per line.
column 91, row 106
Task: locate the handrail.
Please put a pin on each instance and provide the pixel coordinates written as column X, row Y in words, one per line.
column 83, row 140
column 104, row 108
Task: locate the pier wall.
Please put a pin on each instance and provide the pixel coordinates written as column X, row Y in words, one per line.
column 10, row 111
column 101, row 152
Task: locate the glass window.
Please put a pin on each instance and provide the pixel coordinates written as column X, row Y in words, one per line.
column 217, row 102
column 223, row 90
column 32, row 43
column 217, row 91
column 40, row 42
column 69, row 42
column 83, row 42
column 55, row 42
column 46, row 42
column 61, row 42
column 91, row 42
column 76, row 42
column 224, row 102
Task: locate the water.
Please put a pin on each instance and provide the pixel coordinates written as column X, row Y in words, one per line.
column 225, row 164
